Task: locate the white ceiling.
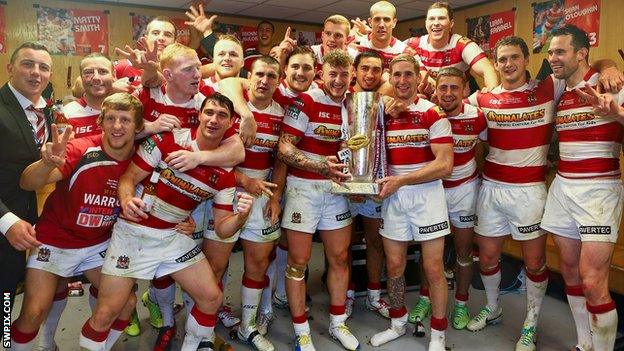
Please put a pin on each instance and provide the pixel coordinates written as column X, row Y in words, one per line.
column 310, row 11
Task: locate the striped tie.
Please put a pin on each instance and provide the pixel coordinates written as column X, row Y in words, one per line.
column 40, row 130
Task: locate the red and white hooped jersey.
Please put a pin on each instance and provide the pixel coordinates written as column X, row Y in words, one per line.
column 467, row 128
column 285, row 96
column 394, row 49
column 156, row 102
column 208, row 86
column 83, row 118
column 259, row 158
column 589, row 145
column 519, row 130
column 83, row 207
column 317, row 120
column 124, row 69
column 409, row 136
column 178, row 193
column 460, row 52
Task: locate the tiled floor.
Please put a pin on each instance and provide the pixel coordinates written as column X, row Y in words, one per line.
column 556, row 329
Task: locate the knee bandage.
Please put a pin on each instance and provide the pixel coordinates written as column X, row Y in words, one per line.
column 296, row 273
column 464, row 261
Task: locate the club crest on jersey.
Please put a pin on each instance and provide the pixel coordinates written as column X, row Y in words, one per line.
column 531, row 99
column 43, row 255
column 123, row 262
column 296, row 217
column 469, row 127
column 210, row 225
column 213, row 178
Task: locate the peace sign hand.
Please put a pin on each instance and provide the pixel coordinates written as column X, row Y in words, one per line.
column 603, row 104
column 53, row 153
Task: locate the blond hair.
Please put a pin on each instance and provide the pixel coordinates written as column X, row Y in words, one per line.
column 337, row 58
column 172, row 52
column 123, row 102
column 382, row 5
column 339, row 19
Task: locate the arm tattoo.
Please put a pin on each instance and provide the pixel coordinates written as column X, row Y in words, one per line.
column 396, row 292
column 292, row 156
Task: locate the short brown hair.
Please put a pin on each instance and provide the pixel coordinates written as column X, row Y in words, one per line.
column 302, row 50
column 337, row 58
column 512, row 40
column 442, row 5
column 269, row 61
column 123, row 102
column 97, row 55
column 405, row 58
column 162, row 19
column 28, row 45
column 450, row 72
column 230, row 38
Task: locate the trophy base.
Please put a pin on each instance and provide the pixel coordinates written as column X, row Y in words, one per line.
column 355, row 188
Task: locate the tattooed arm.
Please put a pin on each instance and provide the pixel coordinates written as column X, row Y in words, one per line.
column 288, row 153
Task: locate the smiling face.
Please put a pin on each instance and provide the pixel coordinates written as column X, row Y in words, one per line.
column 119, row 129
column 30, row 72
column 563, row 59
column 511, row 65
column 404, row 79
column 214, row 121
column 97, row 76
column 300, row 72
column 368, row 73
column 336, row 81
column 228, row 58
column 450, row 92
column 161, row 34
column 265, row 34
column 438, row 24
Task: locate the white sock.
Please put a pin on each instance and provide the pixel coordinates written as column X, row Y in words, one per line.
column 535, row 294
column 281, row 258
column 199, row 326
column 114, row 333
column 302, row 328
column 165, row 299
column 491, row 283
column 266, row 305
column 49, row 326
column 577, row 303
column 603, row 321
column 350, row 294
column 251, row 291
column 373, row 294
column 28, row 340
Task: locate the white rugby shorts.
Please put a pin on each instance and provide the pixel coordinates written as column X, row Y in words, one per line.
column 67, row 262
column 311, row 206
column 415, row 212
column 461, row 202
column 140, row 252
column 504, row 209
column 582, row 209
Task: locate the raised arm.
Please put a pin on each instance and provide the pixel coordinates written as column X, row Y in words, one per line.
column 485, row 69
column 46, row 170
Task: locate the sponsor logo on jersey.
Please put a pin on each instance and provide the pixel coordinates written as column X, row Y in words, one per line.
column 575, row 117
column 516, row 116
column 323, row 131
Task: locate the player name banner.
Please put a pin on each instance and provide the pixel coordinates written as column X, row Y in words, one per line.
column 72, row 31
column 550, row 15
column 139, row 25
column 2, row 30
column 487, row 30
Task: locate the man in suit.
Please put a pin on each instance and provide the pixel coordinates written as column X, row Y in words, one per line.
column 24, row 127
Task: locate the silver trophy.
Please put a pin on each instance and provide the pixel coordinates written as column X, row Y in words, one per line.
column 362, row 132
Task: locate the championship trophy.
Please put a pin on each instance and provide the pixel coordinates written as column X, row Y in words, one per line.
column 363, row 135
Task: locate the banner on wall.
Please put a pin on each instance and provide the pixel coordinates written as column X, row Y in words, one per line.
column 2, row 30
column 487, row 30
column 139, row 25
column 307, row 38
column 71, row 31
column 550, row 15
